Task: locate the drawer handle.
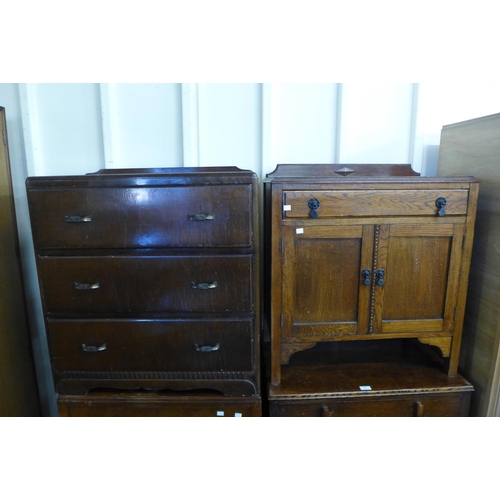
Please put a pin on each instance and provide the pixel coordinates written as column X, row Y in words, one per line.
column 366, row 274
column 207, row 348
column 93, row 348
column 86, row 286
column 78, row 218
column 440, row 204
column 419, row 409
column 204, row 286
column 201, row 217
column 313, row 204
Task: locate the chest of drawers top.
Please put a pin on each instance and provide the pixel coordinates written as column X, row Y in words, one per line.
column 144, row 208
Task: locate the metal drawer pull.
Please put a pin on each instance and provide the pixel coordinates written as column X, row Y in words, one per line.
column 93, row 348
column 201, row 217
column 78, row 218
column 86, row 286
column 204, row 286
column 440, row 204
column 313, row 204
column 207, row 348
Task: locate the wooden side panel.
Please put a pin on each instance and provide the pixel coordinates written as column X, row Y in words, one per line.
column 18, row 390
column 473, row 147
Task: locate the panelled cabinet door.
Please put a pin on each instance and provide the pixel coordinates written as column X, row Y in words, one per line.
column 419, row 267
column 324, row 290
column 385, row 280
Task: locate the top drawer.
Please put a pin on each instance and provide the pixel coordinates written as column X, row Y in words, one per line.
column 142, row 217
column 298, row 204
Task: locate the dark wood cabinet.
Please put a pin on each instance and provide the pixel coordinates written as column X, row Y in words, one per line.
column 365, row 252
column 150, row 281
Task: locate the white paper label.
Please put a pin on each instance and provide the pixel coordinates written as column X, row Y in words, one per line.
column 365, row 387
column 238, row 415
column 220, row 413
column 287, row 208
column 300, row 230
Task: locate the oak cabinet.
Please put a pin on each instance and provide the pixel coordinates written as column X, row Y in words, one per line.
column 358, row 252
column 150, row 282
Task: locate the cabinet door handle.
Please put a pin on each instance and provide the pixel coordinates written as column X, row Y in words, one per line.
column 313, row 204
column 419, row 409
column 440, row 204
column 86, row 286
column 93, row 348
column 201, row 217
column 380, row 277
column 78, row 218
column 204, row 286
column 366, row 274
column 207, row 348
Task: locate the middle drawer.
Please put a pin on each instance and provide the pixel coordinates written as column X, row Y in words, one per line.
column 131, row 284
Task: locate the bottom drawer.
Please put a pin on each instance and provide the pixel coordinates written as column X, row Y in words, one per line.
column 151, row 345
column 445, row 405
column 157, row 405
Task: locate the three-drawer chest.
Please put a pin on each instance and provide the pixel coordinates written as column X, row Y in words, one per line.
column 149, row 281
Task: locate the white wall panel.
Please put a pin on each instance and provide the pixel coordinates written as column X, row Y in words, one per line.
column 376, row 123
column 146, row 125
column 230, row 125
column 66, row 129
column 305, row 123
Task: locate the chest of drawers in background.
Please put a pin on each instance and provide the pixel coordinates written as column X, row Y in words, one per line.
column 149, row 281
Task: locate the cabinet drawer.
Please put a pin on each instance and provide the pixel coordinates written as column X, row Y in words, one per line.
column 372, row 203
column 146, row 284
column 151, row 345
column 140, row 217
column 158, row 405
column 448, row 405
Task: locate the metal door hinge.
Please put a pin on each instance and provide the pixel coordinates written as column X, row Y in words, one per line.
column 281, row 320
column 282, row 245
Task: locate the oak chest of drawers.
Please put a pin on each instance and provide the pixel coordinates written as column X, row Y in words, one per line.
column 150, row 279
column 362, row 253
